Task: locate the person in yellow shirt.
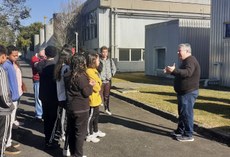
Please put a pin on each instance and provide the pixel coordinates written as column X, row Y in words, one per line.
column 94, row 99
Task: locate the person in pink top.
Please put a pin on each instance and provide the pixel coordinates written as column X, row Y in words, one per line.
column 21, row 88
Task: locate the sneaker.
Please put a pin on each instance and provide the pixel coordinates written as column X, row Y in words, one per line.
column 62, row 138
column 175, row 134
column 16, row 123
column 12, row 151
column 108, row 112
column 66, row 152
column 50, row 146
column 15, row 127
column 102, row 104
column 185, row 139
column 99, row 134
column 15, row 144
column 38, row 119
column 92, row 138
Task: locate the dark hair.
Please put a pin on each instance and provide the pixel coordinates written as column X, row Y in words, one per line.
column 91, row 60
column 104, row 48
column 64, row 58
column 2, row 50
column 51, row 51
column 77, row 66
column 10, row 49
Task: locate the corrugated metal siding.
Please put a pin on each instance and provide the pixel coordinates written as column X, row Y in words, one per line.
column 220, row 47
column 197, row 33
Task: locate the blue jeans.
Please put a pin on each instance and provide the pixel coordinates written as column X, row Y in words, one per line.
column 38, row 103
column 185, row 110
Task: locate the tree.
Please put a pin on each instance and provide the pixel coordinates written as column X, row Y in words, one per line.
column 11, row 12
column 64, row 21
column 26, row 36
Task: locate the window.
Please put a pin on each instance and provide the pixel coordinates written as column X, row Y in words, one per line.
column 160, row 58
column 135, row 54
column 123, row 54
column 227, row 30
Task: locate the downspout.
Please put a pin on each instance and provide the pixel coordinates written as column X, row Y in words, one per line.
column 115, row 33
column 111, row 33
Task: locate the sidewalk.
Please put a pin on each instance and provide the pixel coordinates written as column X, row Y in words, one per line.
column 131, row 132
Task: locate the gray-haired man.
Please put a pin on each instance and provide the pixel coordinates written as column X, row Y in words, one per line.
column 186, row 85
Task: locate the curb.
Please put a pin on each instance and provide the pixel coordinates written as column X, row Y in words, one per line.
column 210, row 134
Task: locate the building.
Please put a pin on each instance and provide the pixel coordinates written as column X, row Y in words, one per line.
column 162, row 40
column 220, row 42
column 120, row 25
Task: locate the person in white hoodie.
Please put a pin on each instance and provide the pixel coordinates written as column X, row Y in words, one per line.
column 61, row 68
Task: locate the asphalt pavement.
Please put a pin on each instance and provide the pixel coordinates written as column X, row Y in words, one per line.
column 130, row 132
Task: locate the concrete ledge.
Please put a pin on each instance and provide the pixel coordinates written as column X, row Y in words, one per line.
column 208, row 133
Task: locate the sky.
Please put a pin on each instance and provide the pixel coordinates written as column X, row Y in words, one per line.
column 41, row 8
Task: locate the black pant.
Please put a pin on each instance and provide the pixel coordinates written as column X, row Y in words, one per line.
column 50, row 116
column 76, row 132
column 105, row 93
column 4, row 132
column 93, row 120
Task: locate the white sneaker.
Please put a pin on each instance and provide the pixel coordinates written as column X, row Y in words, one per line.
column 92, row 138
column 108, row 112
column 66, row 152
column 17, row 123
column 102, row 104
column 62, row 138
column 99, row 134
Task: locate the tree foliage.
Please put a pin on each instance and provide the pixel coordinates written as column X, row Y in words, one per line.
column 26, row 36
column 11, row 12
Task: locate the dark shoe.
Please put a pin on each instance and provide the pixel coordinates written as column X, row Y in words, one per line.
column 49, row 146
column 38, row 119
column 185, row 139
column 176, row 134
column 15, row 144
column 12, row 150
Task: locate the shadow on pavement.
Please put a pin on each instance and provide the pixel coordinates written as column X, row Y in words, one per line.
column 133, row 124
column 26, row 137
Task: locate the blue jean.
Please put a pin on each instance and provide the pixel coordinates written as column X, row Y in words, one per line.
column 185, row 110
column 38, row 103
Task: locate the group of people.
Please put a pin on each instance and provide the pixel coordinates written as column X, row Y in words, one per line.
column 71, row 90
column 11, row 89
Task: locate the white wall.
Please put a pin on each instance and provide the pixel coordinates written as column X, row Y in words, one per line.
column 104, row 29
column 131, row 31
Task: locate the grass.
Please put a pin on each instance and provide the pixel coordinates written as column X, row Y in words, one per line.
column 212, row 108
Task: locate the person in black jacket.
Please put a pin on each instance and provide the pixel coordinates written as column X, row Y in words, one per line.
column 48, row 95
column 78, row 88
column 186, row 85
column 6, row 104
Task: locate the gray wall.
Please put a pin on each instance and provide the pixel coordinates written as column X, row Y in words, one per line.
column 168, row 35
column 219, row 45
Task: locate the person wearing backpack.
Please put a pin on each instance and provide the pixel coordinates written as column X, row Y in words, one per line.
column 107, row 70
